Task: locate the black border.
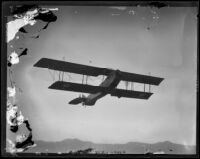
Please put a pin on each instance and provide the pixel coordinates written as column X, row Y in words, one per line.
column 6, row 11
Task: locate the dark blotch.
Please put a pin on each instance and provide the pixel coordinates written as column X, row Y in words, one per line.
column 9, row 64
column 45, row 26
column 36, row 37
column 157, row 4
column 24, row 52
column 25, row 143
column 20, row 9
column 14, row 128
column 46, row 17
column 27, row 125
column 22, row 30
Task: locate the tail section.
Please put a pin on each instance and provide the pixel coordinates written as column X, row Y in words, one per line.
column 78, row 100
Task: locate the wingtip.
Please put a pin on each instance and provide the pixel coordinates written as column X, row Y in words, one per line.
column 55, row 84
column 40, row 63
column 37, row 64
column 161, row 79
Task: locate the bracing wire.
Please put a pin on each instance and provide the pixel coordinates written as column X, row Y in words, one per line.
column 51, row 74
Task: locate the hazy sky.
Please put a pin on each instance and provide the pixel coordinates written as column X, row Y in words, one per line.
column 126, row 38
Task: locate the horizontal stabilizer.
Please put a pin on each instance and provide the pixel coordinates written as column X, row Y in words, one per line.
column 77, row 100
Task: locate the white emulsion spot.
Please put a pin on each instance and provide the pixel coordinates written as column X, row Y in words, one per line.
column 13, row 58
column 11, row 113
column 14, row 26
column 11, row 91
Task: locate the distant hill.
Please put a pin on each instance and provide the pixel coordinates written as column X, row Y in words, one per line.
column 130, row 147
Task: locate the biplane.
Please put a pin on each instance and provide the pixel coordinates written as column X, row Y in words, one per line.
column 107, row 86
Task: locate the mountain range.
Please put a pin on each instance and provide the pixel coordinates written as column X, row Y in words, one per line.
column 67, row 145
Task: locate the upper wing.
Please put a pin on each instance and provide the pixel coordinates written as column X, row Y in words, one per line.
column 132, row 77
column 69, row 67
column 94, row 71
column 69, row 86
column 130, row 94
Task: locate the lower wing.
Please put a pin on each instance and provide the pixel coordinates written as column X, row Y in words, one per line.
column 76, row 87
column 130, row 94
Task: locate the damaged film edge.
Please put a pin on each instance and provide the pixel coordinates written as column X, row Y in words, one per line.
column 23, row 15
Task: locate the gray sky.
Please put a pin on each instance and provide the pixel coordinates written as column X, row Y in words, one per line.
column 115, row 38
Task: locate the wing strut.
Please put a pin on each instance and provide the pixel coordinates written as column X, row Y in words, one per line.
column 149, row 84
column 132, row 86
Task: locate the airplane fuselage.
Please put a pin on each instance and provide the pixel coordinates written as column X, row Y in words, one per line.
column 110, row 83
